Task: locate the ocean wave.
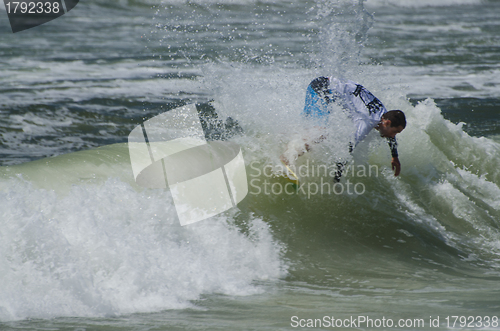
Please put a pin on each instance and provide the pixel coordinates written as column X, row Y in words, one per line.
column 78, row 241
column 446, row 194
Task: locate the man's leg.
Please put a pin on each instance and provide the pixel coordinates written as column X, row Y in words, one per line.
column 318, row 96
column 341, row 166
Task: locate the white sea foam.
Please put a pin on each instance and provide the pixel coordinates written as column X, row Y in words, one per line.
column 422, row 3
column 106, row 249
column 76, row 80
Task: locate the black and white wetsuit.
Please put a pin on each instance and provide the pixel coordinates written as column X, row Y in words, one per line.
column 364, row 108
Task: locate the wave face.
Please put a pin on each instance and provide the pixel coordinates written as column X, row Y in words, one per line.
column 446, row 196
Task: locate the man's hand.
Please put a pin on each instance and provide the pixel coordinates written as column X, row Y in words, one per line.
column 396, row 166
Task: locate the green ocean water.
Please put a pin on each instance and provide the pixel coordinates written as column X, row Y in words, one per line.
column 82, row 247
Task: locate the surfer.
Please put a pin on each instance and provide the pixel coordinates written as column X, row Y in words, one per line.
column 366, row 111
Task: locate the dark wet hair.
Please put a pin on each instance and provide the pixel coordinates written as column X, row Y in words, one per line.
column 397, row 118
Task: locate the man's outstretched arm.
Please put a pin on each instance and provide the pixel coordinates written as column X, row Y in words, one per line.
column 396, row 166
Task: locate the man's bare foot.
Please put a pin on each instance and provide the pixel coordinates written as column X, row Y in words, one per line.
column 284, row 159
